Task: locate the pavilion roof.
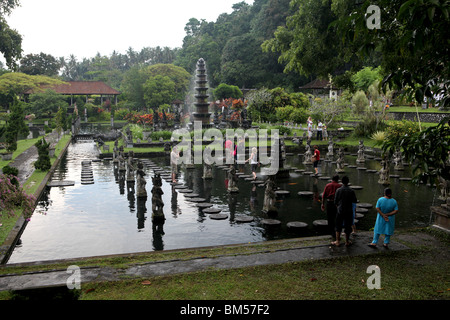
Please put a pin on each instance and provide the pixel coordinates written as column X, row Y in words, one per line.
column 83, row 88
column 317, row 84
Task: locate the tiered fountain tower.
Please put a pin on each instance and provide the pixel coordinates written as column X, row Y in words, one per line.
column 201, row 95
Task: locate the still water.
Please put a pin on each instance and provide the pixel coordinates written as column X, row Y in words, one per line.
column 105, row 217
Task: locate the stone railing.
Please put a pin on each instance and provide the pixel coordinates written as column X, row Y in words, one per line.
column 434, row 117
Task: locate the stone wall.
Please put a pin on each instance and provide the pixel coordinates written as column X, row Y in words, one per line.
column 434, row 117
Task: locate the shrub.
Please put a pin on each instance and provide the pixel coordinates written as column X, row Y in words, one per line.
column 43, row 162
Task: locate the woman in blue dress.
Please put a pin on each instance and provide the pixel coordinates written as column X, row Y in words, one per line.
column 387, row 208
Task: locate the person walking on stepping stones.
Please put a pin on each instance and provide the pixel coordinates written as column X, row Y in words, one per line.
column 253, row 161
column 387, row 208
column 328, row 204
column 344, row 199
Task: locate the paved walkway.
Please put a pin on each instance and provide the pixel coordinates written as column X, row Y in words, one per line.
column 57, row 278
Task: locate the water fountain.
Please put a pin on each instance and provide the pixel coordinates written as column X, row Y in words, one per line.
column 202, row 113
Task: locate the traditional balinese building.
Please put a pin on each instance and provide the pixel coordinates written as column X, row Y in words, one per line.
column 321, row 88
column 84, row 88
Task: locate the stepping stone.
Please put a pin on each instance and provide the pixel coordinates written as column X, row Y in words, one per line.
column 257, row 182
column 282, row 192
column 296, row 225
column 307, row 173
column 197, row 199
column 299, row 170
column 180, row 187
column 361, row 210
column 394, row 176
column 243, row 219
column 204, row 205
column 60, row 183
column 364, row 205
column 361, row 168
column 356, row 187
column 405, row 179
column 320, row 223
column 211, row 210
column 372, row 170
column 191, row 195
column 359, row 215
column 352, row 166
column 87, row 182
column 244, row 176
column 325, row 178
column 249, row 179
column 184, row 190
column 218, row 216
column 305, row 193
column 271, row 222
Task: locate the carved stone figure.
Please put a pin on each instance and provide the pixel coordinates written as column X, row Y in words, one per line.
column 157, row 203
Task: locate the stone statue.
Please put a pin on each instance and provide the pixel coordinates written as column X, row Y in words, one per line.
column 330, row 153
column 340, row 161
column 384, row 172
column 361, row 158
column 207, row 171
column 398, row 160
column 140, row 181
column 157, row 203
column 130, row 167
column 308, row 154
column 269, row 197
column 232, row 180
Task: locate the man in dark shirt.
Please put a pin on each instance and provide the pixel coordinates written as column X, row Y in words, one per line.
column 344, row 199
column 328, row 203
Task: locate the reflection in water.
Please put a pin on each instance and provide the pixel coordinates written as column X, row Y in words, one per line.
column 104, row 218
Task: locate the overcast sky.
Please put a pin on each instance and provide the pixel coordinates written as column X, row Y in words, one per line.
column 85, row 27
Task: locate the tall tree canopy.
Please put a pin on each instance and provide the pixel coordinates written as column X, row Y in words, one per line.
column 413, row 38
column 10, row 39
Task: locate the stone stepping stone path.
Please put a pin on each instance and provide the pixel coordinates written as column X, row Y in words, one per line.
column 299, row 170
column 296, row 225
column 257, row 182
column 359, row 215
column 244, row 176
column 244, row 219
column 325, row 178
column 218, row 216
column 372, row 171
column 271, row 222
column 405, row 179
column 305, row 193
column 361, row 210
column 87, row 176
column 361, row 168
column 211, row 210
column 364, row 205
column 307, row 173
column 179, row 187
column 356, row 187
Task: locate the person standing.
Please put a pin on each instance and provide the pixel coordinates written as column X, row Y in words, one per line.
column 328, row 204
column 253, row 161
column 344, row 199
column 387, row 208
column 316, row 159
column 309, row 123
column 174, row 155
column 319, row 130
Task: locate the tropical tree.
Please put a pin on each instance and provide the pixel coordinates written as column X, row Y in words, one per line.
column 224, row 91
column 43, row 104
column 158, row 90
column 40, row 64
column 412, row 38
column 15, row 126
column 10, row 39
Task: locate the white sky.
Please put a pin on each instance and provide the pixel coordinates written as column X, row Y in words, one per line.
column 85, row 27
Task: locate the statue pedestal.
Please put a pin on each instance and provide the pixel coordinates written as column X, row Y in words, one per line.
column 441, row 217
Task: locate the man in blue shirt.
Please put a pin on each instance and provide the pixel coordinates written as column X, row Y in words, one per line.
column 387, row 208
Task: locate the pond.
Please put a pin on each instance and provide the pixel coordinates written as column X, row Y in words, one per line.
column 106, row 218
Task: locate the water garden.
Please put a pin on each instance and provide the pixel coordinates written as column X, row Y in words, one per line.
column 112, row 192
